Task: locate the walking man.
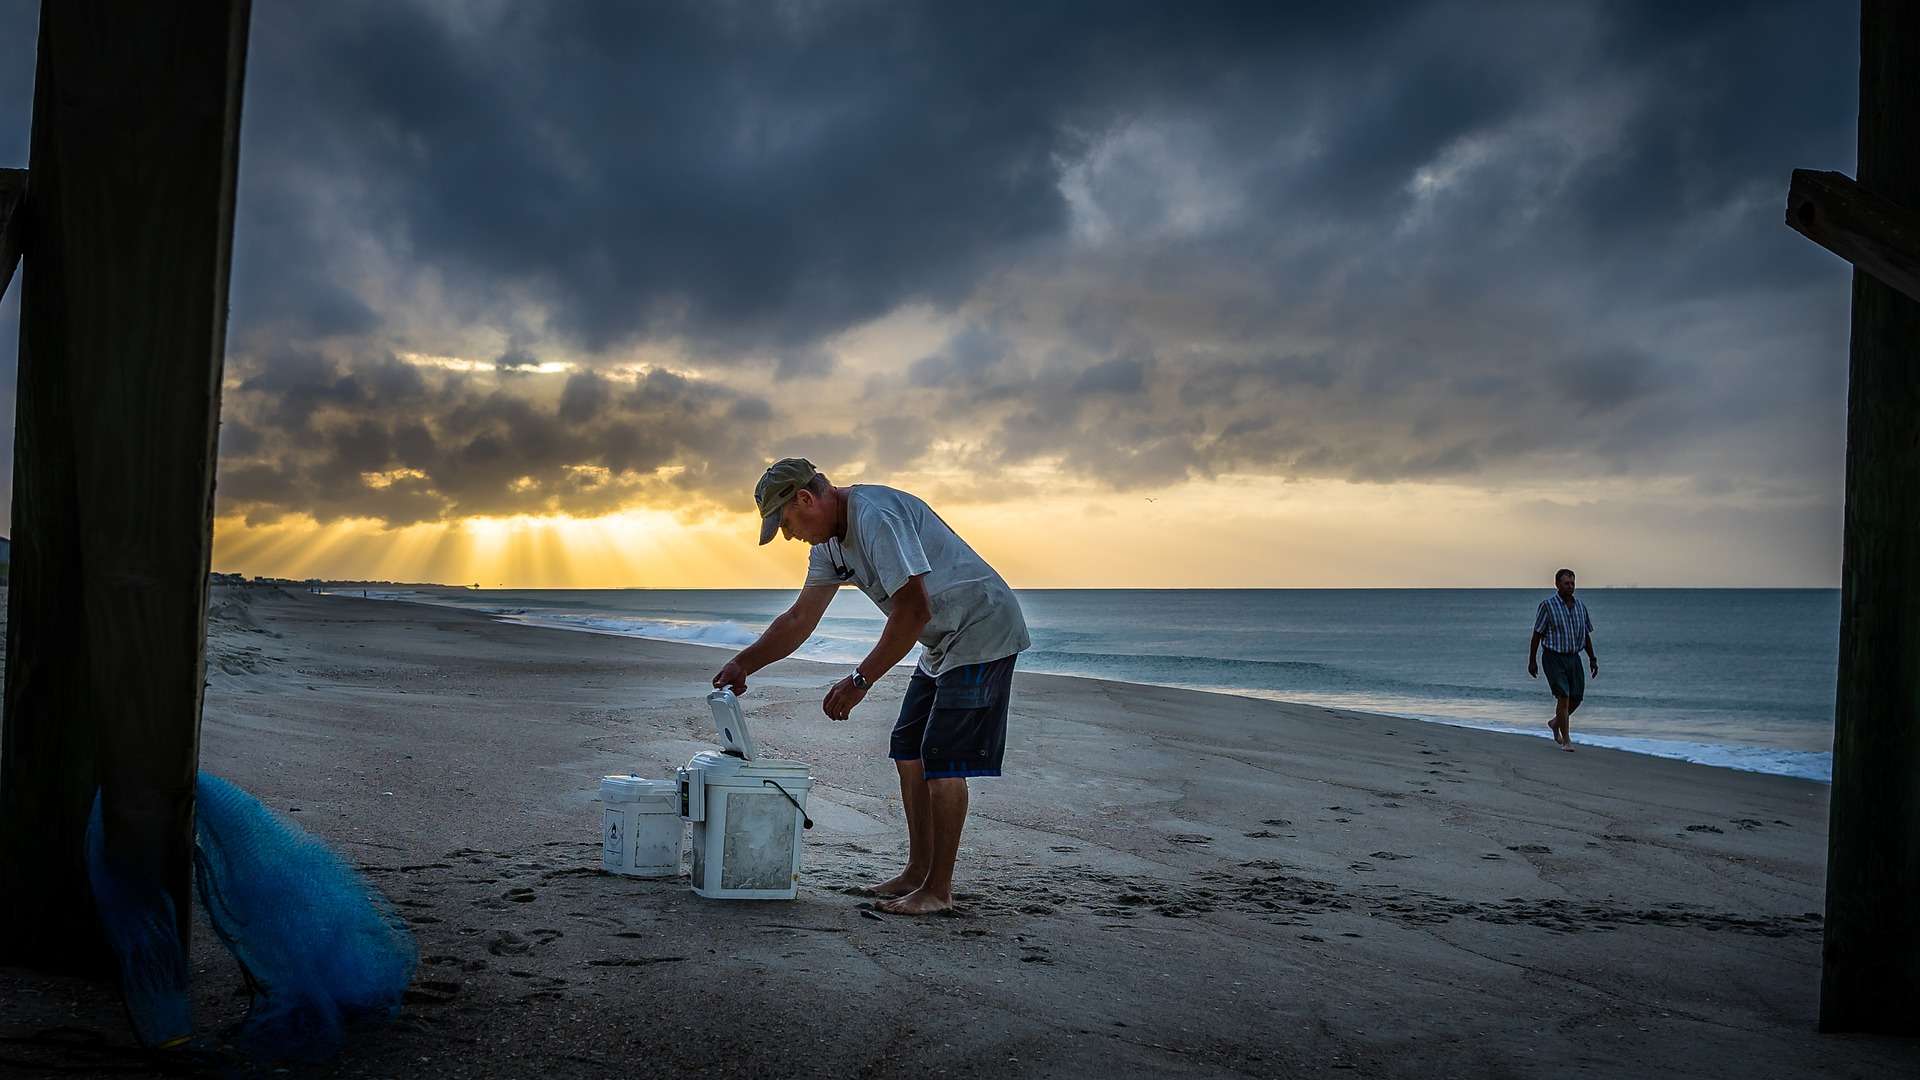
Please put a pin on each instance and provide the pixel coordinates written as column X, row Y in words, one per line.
column 1563, row 625
column 935, row 590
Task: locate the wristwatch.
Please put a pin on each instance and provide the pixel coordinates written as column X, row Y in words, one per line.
column 860, row 681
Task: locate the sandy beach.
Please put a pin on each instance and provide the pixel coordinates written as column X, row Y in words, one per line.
column 1166, row 883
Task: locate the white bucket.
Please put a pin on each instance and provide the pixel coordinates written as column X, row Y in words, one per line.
column 641, row 831
column 746, row 834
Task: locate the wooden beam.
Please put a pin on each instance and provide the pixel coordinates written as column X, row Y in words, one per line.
column 1871, row 963
column 13, row 190
column 1875, row 234
column 136, row 119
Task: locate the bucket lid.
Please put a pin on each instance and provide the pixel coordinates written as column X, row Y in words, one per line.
column 730, row 723
column 722, row 768
column 631, row 788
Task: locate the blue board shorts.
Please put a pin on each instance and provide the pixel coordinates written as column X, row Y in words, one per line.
column 956, row 724
column 1565, row 677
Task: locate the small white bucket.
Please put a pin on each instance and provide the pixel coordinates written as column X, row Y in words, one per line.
column 642, row 833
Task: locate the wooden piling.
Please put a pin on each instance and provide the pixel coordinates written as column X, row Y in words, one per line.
column 127, row 240
column 1871, row 969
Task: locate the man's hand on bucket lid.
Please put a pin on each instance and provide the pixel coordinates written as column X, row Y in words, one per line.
column 733, row 677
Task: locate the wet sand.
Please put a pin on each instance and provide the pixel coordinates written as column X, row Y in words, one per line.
column 1166, row 883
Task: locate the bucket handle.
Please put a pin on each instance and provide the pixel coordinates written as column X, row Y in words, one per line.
column 805, row 821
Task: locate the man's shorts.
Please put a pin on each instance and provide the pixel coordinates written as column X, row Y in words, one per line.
column 956, row 724
column 1565, row 677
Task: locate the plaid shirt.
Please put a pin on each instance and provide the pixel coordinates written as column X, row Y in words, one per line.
column 1564, row 630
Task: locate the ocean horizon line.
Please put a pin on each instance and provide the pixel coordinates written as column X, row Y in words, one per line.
column 1543, row 586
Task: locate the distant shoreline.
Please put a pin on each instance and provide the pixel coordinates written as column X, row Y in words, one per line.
column 1728, row 751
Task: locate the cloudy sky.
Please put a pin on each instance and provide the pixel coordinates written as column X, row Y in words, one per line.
column 1134, row 294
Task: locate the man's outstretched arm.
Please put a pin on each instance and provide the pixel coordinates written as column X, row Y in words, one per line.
column 910, row 615
column 787, row 632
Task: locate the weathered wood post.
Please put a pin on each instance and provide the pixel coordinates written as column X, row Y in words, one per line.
column 128, row 225
column 1871, row 977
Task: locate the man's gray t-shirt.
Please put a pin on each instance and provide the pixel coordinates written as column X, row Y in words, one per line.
column 892, row 536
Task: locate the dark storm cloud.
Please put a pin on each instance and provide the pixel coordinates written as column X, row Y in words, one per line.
column 584, row 396
column 19, row 32
column 1431, row 241
column 1524, row 241
column 379, row 438
column 748, row 177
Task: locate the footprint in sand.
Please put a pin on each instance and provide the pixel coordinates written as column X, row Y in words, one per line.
column 1275, row 821
column 431, row 992
column 1715, row 829
column 1388, row 855
column 1618, row 838
column 573, row 871
column 1493, row 856
column 1530, row 849
column 508, row 943
column 1189, row 838
column 519, row 896
column 1263, row 834
column 1748, row 823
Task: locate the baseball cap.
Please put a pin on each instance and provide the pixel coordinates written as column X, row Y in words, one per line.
column 776, row 489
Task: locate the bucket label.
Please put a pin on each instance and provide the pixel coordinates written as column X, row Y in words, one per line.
column 614, row 844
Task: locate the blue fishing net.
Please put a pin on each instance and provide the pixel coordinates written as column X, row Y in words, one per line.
column 321, row 947
column 138, row 920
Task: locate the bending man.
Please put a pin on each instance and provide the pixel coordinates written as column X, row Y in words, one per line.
column 935, row 590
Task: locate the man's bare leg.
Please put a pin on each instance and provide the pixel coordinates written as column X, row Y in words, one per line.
column 913, row 795
column 946, row 808
column 1558, row 725
column 1566, row 726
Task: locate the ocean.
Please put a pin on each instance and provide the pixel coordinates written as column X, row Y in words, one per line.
column 1738, row 678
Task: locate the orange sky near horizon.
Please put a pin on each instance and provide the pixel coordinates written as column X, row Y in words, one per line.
column 1225, row 533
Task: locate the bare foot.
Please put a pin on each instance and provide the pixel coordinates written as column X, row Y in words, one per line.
column 917, row 902
column 1568, row 745
column 907, row 882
